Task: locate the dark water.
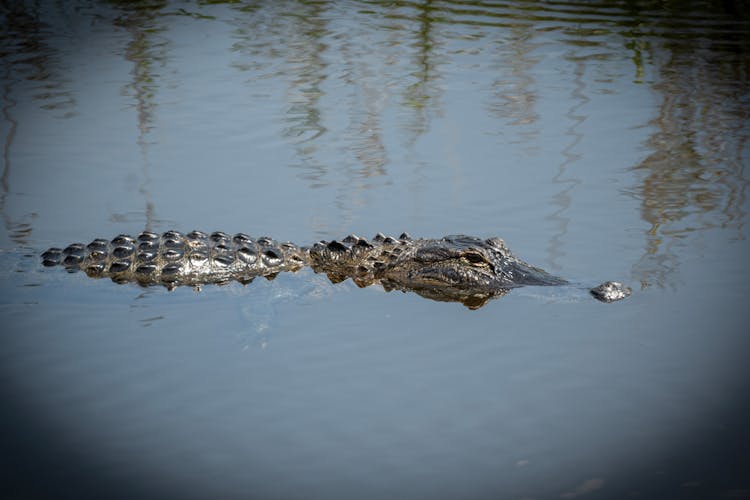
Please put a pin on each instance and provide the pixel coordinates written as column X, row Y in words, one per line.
column 601, row 140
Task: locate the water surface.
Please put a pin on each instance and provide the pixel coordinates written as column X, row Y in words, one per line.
column 601, row 140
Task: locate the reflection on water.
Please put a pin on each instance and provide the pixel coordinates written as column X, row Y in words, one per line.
column 147, row 53
column 515, row 92
column 29, row 53
column 562, row 199
column 25, row 56
column 305, row 68
column 693, row 179
column 422, row 95
column 695, row 60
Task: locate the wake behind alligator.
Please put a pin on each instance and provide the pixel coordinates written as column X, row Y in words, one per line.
column 455, row 268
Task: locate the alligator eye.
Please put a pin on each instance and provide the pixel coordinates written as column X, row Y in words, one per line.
column 475, row 258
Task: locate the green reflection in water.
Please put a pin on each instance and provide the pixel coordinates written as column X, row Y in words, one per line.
column 148, row 53
column 692, row 178
column 29, row 64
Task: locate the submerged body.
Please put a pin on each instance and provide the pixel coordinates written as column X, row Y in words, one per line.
column 455, row 268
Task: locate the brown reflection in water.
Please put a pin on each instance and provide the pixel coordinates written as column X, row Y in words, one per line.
column 305, row 67
column 693, row 179
column 298, row 46
column 147, row 53
column 515, row 91
column 422, row 96
column 563, row 198
column 307, row 70
column 26, row 57
column 275, row 42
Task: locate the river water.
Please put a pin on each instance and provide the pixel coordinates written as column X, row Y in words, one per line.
column 601, row 140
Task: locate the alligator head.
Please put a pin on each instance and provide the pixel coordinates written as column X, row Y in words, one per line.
column 458, row 268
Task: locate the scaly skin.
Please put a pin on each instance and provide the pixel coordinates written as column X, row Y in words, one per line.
column 173, row 259
column 456, row 268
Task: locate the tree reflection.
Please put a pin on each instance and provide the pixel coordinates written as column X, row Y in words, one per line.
column 693, row 179
column 147, row 52
column 26, row 56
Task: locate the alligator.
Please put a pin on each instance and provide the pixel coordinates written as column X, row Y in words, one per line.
column 454, row 268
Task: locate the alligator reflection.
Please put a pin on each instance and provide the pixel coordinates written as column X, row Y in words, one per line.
column 441, row 294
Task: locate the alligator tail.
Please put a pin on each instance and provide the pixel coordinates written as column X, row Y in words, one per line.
column 172, row 258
